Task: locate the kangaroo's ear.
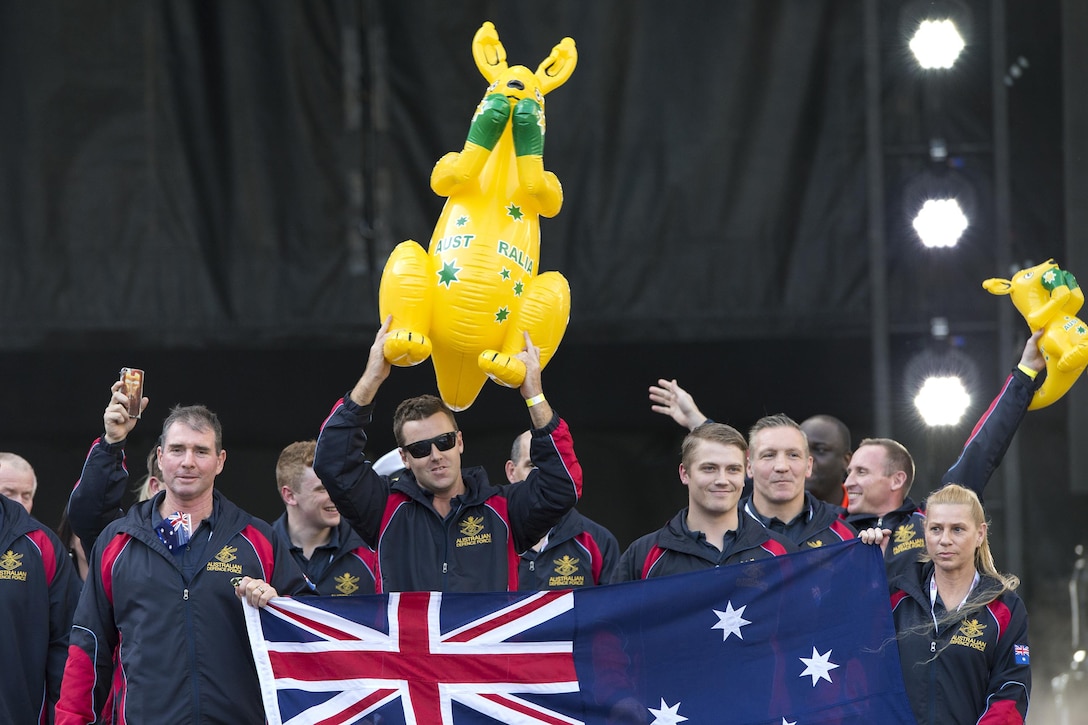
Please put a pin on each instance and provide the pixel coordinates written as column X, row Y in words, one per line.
column 997, row 286
column 488, row 52
column 557, row 67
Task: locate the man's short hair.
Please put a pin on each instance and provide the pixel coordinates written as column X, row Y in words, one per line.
column 721, row 433
column 153, row 467
column 20, row 464
column 517, row 448
column 841, row 428
column 293, row 462
column 897, row 458
column 779, row 420
column 197, row 417
column 418, row 408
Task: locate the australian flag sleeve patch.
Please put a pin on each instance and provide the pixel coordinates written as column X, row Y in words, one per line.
column 1021, row 654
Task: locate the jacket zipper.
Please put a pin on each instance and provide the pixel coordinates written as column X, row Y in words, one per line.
column 446, row 545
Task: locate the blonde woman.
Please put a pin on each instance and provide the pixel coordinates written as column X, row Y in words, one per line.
column 962, row 629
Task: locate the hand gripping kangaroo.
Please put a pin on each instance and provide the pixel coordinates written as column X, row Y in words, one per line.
column 1049, row 298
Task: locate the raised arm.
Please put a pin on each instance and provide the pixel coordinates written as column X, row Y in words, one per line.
column 993, row 432
column 554, row 486
column 668, row 398
column 377, row 368
column 358, row 492
column 96, row 499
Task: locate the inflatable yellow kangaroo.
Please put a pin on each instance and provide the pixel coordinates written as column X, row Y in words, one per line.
column 466, row 301
column 1049, row 298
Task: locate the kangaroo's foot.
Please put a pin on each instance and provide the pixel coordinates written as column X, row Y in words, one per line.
column 502, row 368
column 404, row 348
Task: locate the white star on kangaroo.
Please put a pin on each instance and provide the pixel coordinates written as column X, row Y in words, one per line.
column 818, row 666
column 666, row 715
column 730, row 621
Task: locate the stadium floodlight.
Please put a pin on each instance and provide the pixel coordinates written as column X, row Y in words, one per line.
column 941, row 205
column 937, row 44
column 939, row 379
column 940, row 223
column 942, row 400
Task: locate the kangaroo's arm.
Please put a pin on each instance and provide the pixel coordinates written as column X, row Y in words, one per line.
column 528, row 128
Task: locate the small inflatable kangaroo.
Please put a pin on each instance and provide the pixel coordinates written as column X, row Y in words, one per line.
column 1049, row 298
column 467, row 299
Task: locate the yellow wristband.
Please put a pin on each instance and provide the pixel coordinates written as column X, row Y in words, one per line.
column 1027, row 371
column 535, row 400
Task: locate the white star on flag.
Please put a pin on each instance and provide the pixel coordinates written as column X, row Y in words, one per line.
column 785, row 722
column 666, row 715
column 818, row 666
column 730, row 621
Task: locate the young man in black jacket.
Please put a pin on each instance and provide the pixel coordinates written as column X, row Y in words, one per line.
column 437, row 526
column 332, row 556
column 711, row 531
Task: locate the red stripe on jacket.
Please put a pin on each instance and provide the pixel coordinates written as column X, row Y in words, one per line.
column 654, row 555
column 564, row 445
column 1002, row 615
column 587, row 542
column 843, row 531
column 263, row 548
column 500, row 506
column 109, row 557
column 48, row 552
column 395, row 501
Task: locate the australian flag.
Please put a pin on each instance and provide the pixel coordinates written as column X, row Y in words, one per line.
column 802, row 639
column 175, row 531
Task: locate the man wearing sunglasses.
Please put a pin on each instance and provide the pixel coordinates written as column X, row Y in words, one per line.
column 436, row 526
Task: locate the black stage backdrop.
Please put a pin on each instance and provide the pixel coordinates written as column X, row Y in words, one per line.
column 194, row 173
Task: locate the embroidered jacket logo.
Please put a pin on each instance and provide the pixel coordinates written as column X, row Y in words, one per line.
column 347, row 584
column 566, row 570
column 906, row 539
column 970, row 635
column 472, row 530
column 472, row 525
column 815, row 544
column 223, row 561
column 9, row 562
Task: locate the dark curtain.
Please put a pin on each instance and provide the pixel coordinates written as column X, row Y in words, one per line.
column 195, row 173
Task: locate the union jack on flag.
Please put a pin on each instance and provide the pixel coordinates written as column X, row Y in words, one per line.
column 1021, row 654
column 426, row 656
column 178, row 520
column 803, row 638
column 175, row 530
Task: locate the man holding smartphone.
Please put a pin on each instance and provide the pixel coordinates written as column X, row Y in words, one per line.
column 158, row 630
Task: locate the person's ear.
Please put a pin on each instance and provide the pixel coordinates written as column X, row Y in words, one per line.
column 899, row 479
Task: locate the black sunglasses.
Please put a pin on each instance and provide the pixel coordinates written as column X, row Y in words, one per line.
column 422, row 449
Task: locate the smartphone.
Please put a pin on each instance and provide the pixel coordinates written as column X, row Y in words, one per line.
column 132, row 384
